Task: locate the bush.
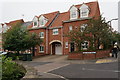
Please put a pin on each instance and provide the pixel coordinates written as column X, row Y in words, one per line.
column 11, row 70
column 12, row 55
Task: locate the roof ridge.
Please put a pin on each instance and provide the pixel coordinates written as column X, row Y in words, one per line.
column 64, row 12
column 49, row 13
column 86, row 3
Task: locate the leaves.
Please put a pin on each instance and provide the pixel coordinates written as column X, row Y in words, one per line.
column 97, row 32
column 19, row 39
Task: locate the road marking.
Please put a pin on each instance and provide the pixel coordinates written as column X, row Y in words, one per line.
column 56, row 68
column 117, row 71
column 100, row 70
column 105, row 61
column 58, row 76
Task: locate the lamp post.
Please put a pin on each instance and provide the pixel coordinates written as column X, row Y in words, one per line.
column 111, row 21
column 111, row 26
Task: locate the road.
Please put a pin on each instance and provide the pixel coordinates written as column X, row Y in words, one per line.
column 60, row 67
column 104, row 70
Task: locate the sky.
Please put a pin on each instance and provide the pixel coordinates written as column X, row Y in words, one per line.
column 11, row 10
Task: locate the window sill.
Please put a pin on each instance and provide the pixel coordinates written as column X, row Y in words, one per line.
column 41, row 51
column 55, row 34
column 42, row 37
column 73, row 18
column 34, row 26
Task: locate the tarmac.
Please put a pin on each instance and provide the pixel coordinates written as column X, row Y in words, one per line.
column 39, row 67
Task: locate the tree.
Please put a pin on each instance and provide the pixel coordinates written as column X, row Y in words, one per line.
column 101, row 31
column 116, row 37
column 19, row 39
column 97, row 32
column 78, row 37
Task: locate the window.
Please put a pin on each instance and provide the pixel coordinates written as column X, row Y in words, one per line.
column 70, row 28
column 42, row 22
column 55, row 31
column 66, row 44
column 73, row 14
column 82, row 28
column 84, row 45
column 41, row 34
column 41, row 48
column 84, row 13
column 35, row 23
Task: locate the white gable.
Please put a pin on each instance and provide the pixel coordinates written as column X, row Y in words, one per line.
column 84, row 6
column 73, row 8
column 73, row 12
column 35, row 19
column 35, row 22
column 84, row 11
column 42, row 21
column 5, row 28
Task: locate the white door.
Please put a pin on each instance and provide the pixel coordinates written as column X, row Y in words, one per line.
column 58, row 49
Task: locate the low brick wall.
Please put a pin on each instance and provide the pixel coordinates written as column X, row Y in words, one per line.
column 81, row 56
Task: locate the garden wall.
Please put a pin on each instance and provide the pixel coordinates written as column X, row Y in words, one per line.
column 89, row 55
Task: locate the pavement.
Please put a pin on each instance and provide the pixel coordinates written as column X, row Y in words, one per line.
column 42, row 67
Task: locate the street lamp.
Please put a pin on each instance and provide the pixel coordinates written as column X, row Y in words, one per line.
column 111, row 27
column 112, row 20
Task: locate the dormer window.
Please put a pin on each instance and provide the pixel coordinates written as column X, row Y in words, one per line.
column 42, row 21
column 73, row 13
column 35, row 22
column 84, row 11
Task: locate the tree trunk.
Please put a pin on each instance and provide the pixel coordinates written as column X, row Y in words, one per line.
column 17, row 53
column 33, row 51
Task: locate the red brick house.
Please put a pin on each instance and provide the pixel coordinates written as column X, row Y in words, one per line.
column 51, row 27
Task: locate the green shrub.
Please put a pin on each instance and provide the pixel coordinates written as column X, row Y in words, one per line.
column 12, row 55
column 11, row 70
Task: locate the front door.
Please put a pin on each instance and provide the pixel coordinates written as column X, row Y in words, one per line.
column 72, row 47
column 58, row 49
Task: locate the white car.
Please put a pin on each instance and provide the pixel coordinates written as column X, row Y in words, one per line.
column 3, row 53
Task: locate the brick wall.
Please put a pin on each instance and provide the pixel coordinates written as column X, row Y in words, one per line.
column 99, row 54
column 37, row 50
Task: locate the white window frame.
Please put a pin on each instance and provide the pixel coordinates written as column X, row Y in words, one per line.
column 41, row 34
column 42, row 22
column 66, row 45
column 55, row 32
column 74, row 14
column 82, row 27
column 70, row 28
column 84, row 13
column 34, row 23
column 41, row 48
column 85, row 45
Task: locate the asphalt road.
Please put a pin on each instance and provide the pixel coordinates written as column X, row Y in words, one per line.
column 104, row 70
